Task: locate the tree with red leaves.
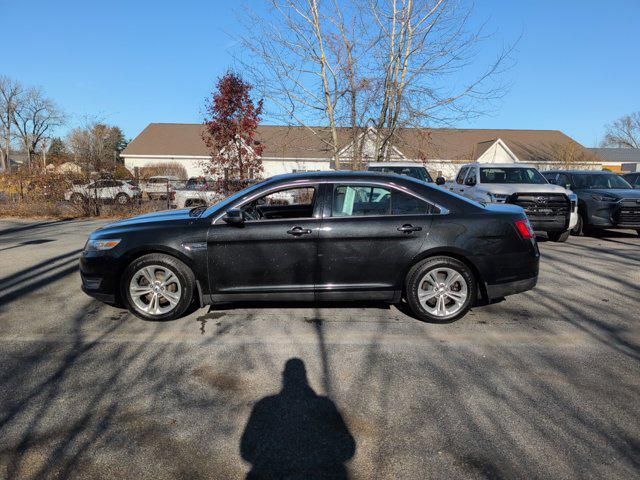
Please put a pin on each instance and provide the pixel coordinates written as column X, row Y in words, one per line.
column 229, row 133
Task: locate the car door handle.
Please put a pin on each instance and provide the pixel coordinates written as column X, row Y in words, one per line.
column 297, row 231
column 408, row 228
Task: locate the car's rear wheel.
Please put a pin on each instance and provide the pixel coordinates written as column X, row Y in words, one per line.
column 158, row 287
column 559, row 236
column 440, row 289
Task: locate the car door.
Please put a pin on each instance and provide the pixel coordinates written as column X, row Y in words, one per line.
column 369, row 234
column 271, row 257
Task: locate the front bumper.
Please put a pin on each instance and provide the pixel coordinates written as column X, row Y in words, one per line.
column 510, row 288
column 98, row 273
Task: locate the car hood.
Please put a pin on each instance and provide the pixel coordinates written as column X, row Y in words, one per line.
column 508, row 189
column 614, row 192
column 157, row 217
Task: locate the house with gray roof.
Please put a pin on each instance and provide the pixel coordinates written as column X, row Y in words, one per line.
column 619, row 159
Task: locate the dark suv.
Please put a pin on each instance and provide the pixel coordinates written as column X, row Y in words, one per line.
column 317, row 236
column 605, row 199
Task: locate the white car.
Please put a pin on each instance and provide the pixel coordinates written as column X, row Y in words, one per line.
column 409, row 169
column 159, row 186
column 551, row 209
column 118, row 191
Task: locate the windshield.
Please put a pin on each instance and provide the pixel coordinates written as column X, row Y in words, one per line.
column 415, row 172
column 511, row 175
column 600, row 180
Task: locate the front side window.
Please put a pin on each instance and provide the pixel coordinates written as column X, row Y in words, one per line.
column 461, row 174
column 361, row 200
column 563, row 180
column 511, row 175
column 288, row 203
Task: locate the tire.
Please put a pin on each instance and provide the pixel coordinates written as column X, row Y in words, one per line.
column 77, row 198
column 419, row 279
column 180, row 288
column 578, row 230
column 122, row 199
column 559, row 237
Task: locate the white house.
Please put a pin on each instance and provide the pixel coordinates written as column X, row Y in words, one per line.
column 289, row 149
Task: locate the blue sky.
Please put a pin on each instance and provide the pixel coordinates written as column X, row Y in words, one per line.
column 136, row 62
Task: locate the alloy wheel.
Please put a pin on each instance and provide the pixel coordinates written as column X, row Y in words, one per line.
column 155, row 290
column 442, row 292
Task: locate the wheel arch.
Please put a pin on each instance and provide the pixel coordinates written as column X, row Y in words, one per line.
column 133, row 254
column 456, row 253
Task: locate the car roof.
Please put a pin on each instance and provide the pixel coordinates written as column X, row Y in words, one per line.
column 583, row 172
column 342, row 175
column 396, row 164
column 498, row 165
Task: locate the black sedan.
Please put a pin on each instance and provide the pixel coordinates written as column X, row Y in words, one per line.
column 605, row 199
column 315, row 237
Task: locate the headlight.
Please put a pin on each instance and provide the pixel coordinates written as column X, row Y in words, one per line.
column 100, row 245
column 573, row 198
column 604, row 198
column 497, row 197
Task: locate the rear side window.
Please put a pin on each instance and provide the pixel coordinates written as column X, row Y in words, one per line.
column 461, row 174
column 361, row 200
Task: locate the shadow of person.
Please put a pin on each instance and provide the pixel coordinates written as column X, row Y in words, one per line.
column 296, row 434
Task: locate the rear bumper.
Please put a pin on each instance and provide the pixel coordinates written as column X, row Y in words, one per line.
column 510, row 288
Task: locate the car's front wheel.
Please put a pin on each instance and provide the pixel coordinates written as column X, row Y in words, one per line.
column 559, row 236
column 77, row 198
column 158, row 287
column 440, row 289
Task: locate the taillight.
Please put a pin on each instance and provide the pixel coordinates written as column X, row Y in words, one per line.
column 524, row 228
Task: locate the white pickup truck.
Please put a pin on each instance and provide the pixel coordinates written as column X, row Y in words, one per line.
column 551, row 209
column 159, row 187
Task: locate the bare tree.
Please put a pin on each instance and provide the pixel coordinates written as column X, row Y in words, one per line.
column 11, row 93
column 294, row 70
column 386, row 64
column 37, row 117
column 624, row 132
column 96, row 146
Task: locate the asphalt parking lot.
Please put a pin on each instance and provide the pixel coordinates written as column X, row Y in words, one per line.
column 542, row 385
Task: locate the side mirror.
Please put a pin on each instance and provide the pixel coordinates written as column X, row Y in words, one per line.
column 234, row 217
column 440, row 181
column 470, row 182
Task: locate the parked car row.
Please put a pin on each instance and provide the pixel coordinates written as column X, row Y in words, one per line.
column 605, row 199
column 557, row 202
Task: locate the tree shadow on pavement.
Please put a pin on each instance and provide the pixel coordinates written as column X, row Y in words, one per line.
column 296, row 433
